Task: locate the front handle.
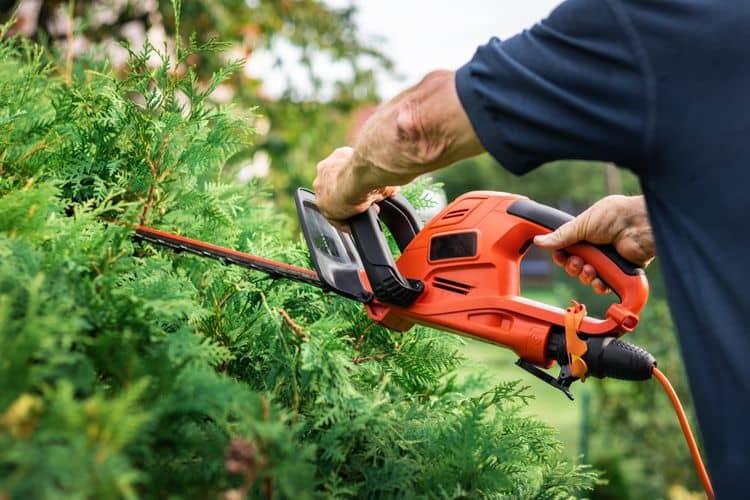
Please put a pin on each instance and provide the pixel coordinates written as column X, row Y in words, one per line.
column 627, row 280
column 400, row 218
column 387, row 283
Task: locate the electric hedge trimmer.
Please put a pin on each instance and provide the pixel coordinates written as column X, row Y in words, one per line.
column 461, row 273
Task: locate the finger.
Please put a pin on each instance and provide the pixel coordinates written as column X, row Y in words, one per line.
column 344, row 151
column 574, row 265
column 389, row 191
column 562, row 237
column 599, row 286
column 560, row 257
column 341, row 226
column 382, row 193
column 378, row 195
column 588, row 273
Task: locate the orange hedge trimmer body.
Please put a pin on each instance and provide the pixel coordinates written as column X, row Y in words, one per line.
column 461, row 273
column 469, row 259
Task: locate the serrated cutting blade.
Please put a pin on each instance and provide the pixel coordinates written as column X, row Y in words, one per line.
column 274, row 268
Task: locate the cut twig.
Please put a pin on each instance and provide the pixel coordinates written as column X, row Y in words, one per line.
column 363, row 359
column 39, row 147
column 265, row 408
column 358, row 342
column 292, row 325
column 268, row 487
column 226, row 297
column 69, row 52
column 154, row 168
column 361, row 338
column 242, row 459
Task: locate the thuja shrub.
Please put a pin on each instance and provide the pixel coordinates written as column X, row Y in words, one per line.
column 127, row 370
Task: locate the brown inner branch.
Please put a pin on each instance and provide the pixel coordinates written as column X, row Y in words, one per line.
column 292, row 325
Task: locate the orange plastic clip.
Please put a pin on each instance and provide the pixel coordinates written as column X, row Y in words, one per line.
column 575, row 346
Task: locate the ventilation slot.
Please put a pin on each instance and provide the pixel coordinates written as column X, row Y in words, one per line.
column 455, row 214
column 452, row 286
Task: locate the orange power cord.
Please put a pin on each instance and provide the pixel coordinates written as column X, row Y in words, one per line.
column 702, row 474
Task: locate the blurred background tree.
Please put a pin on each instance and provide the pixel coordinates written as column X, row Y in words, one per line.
column 324, row 69
column 571, row 185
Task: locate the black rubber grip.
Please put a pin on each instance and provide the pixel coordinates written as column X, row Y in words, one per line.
column 552, row 218
column 610, row 357
column 385, row 280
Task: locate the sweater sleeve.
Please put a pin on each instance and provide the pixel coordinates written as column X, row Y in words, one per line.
column 570, row 87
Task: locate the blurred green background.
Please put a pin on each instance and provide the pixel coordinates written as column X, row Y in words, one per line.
column 627, row 430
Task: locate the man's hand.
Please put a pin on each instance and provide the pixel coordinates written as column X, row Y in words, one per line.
column 420, row 130
column 618, row 220
column 339, row 190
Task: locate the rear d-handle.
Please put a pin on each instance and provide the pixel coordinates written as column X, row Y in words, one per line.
column 385, row 280
column 623, row 277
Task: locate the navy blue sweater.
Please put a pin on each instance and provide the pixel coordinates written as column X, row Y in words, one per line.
column 661, row 87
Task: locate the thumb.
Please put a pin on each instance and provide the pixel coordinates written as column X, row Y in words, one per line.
column 562, row 237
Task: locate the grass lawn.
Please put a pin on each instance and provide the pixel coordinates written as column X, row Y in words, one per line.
column 549, row 404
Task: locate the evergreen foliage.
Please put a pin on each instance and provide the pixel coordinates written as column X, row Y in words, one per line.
column 130, row 371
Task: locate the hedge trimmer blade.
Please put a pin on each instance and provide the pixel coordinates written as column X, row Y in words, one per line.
column 226, row 255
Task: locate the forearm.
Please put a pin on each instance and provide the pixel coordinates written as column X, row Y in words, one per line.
column 422, row 129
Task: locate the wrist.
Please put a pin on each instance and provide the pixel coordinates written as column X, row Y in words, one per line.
column 364, row 176
column 636, row 213
column 618, row 212
column 356, row 179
